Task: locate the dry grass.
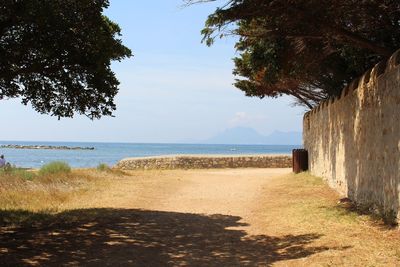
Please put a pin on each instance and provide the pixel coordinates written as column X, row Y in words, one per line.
column 312, row 201
column 277, row 211
column 305, row 204
column 38, row 194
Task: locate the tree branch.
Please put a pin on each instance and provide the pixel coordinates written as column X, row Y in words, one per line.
column 360, row 41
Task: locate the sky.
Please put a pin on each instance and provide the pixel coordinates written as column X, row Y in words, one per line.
column 174, row 89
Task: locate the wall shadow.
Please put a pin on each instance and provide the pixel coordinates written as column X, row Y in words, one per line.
column 130, row 237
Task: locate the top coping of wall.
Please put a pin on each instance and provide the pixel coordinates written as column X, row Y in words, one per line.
column 209, row 156
column 371, row 74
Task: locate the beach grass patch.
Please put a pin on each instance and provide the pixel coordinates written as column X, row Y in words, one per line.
column 55, row 167
column 14, row 172
column 102, row 167
column 24, row 174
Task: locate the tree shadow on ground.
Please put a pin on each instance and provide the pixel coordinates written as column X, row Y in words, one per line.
column 128, row 237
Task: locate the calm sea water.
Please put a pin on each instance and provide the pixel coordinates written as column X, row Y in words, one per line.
column 111, row 153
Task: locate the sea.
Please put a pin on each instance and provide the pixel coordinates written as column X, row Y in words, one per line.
column 111, row 153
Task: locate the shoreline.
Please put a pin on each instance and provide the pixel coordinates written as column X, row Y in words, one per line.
column 89, row 162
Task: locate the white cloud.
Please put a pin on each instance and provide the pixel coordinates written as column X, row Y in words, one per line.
column 239, row 118
column 242, row 118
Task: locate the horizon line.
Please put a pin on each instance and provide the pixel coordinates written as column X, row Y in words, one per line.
column 151, row 143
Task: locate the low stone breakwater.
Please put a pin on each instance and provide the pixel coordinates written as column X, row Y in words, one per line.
column 45, row 147
column 206, row 162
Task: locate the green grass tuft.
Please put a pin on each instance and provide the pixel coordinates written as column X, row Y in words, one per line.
column 103, row 167
column 55, row 167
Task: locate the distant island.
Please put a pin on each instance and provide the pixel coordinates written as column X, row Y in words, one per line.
column 46, row 147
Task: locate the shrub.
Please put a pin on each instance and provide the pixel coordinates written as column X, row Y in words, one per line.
column 55, row 167
column 103, row 167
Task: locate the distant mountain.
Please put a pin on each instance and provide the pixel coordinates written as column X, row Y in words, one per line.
column 244, row 135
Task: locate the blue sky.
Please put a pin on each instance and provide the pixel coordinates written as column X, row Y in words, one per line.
column 174, row 89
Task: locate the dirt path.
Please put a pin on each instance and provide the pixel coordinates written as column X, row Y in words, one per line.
column 235, row 192
column 238, row 217
column 230, row 192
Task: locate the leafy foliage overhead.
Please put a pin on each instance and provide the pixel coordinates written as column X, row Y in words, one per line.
column 56, row 55
column 309, row 49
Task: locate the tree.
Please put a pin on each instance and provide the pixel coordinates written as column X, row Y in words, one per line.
column 56, row 55
column 309, row 49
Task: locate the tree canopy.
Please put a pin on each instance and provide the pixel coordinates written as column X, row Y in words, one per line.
column 56, row 55
column 309, row 49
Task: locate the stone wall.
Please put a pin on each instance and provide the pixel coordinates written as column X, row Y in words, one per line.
column 354, row 140
column 206, row 162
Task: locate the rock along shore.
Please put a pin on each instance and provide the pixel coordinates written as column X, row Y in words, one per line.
column 45, row 147
column 206, row 162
